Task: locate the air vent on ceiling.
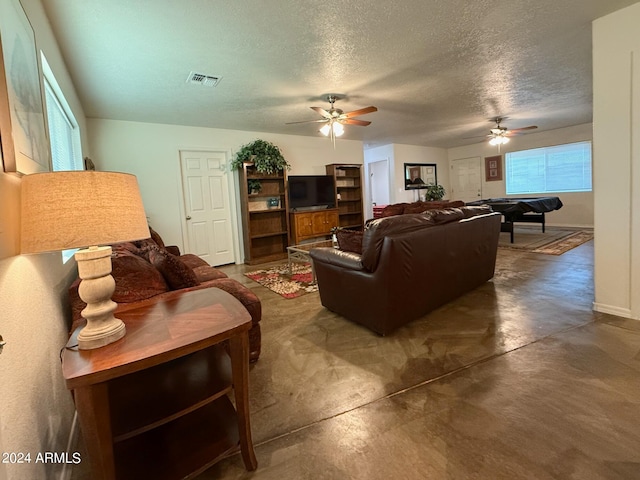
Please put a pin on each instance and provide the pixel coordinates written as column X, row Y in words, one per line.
column 201, row 79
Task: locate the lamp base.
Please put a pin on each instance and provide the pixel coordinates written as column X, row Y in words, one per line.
column 112, row 332
column 96, row 288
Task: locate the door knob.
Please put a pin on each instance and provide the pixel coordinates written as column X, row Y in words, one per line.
column 188, row 217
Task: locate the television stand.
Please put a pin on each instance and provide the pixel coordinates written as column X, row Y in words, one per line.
column 310, row 224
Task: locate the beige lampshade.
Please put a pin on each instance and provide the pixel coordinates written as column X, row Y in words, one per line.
column 62, row 210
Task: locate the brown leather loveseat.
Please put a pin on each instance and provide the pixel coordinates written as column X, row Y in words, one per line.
column 410, row 264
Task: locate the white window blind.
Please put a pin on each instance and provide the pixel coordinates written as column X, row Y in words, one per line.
column 562, row 168
column 63, row 134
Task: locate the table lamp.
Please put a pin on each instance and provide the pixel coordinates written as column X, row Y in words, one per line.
column 79, row 209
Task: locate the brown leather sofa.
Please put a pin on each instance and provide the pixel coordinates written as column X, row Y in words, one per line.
column 148, row 270
column 410, row 264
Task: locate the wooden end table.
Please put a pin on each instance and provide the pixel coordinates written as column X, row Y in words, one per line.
column 155, row 404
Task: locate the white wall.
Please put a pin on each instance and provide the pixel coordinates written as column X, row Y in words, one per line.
column 151, row 152
column 398, row 155
column 577, row 207
column 37, row 409
column 616, row 119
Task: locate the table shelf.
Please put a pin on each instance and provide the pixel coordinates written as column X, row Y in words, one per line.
column 193, row 381
column 206, row 436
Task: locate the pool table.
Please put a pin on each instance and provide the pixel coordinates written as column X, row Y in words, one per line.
column 527, row 210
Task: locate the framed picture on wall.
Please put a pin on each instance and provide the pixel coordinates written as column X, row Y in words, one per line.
column 22, row 126
column 493, row 168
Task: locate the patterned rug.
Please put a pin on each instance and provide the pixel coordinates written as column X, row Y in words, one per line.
column 278, row 279
column 555, row 241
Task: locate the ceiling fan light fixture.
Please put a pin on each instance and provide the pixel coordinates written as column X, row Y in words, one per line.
column 334, row 128
column 325, row 129
column 498, row 140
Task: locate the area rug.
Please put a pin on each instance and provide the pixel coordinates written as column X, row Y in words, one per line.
column 292, row 284
column 555, row 241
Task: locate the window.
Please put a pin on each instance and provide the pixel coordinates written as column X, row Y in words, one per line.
column 563, row 168
column 64, row 134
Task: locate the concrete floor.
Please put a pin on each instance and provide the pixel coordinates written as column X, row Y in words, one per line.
column 518, row 379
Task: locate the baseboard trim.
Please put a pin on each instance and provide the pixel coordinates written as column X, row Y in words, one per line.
column 613, row 310
column 564, row 225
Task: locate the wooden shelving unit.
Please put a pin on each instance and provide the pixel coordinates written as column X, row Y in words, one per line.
column 265, row 227
column 349, row 194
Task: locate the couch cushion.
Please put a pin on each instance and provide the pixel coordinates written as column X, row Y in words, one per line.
column 390, row 210
column 136, row 279
column 204, row 273
column 415, row 207
column 175, row 272
column 193, row 261
column 445, row 215
column 376, row 230
column 349, row 240
column 439, row 204
column 155, row 236
column 472, row 211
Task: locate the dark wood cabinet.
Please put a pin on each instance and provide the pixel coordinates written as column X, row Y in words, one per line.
column 312, row 224
column 349, row 194
column 265, row 223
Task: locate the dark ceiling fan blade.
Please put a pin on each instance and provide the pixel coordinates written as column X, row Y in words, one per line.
column 362, row 111
column 321, row 111
column 321, row 120
column 516, row 130
column 354, row 121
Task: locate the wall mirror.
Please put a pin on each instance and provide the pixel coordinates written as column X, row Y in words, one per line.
column 419, row 175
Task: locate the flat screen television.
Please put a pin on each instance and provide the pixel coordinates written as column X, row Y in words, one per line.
column 309, row 192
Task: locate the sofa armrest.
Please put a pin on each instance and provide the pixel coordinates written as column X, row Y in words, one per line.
column 339, row 258
column 173, row 250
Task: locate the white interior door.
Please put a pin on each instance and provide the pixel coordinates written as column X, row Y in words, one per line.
column 207, row 205
column 466, row 179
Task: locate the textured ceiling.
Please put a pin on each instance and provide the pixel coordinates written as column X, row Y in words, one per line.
column 438, row 70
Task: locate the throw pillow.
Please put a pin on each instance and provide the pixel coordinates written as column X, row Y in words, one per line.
column 156, row 237
column 136, row 279
column 391, row 210
column 174, row 271
column 415, row 207
column 349, row 241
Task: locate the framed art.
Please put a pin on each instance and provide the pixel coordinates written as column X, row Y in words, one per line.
column 493, row 168
column 22, row 125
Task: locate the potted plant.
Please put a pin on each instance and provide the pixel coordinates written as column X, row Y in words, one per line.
column 266, row 157
column 254, row 185
column 433, row 193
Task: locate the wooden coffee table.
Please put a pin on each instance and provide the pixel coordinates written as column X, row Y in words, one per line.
column 155, row 404
column 300, row 253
